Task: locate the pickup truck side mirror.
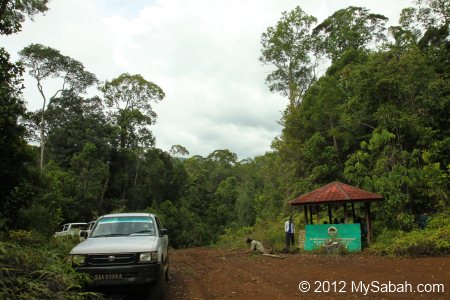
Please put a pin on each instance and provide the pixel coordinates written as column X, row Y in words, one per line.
column 164, row 231
column 84, row 234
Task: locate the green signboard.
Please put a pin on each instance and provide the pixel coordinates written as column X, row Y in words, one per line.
column 333, row 237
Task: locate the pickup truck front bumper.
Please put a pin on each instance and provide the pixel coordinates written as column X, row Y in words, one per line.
column 128, row 275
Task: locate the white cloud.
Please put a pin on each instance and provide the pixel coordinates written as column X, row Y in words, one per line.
column 203, row 53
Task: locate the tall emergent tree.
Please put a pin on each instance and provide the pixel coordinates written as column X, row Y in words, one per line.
column 13, row 147
column 350, row 28
column 178, row 150
column 289, row 47
column 130, row 99
column 43, row 63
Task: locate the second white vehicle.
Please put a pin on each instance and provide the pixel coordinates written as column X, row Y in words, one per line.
column 86, row 230
column 70, row 229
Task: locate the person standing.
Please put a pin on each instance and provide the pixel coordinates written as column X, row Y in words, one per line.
column 422, row 220
column 290, row 231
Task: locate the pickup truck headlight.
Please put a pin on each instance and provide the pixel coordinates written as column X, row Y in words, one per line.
column 78, row 259
column 148, row 257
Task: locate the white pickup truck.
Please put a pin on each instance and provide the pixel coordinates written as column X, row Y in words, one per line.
column 127, row 250
column 86, row 230
column 70, row 229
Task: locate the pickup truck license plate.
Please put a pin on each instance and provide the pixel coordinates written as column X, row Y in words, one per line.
column 107, row 276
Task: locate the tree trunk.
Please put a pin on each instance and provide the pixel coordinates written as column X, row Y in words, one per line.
column 42, row 144
column 334, row 137
column 105, row 186
column 137, row 167
column 42, row 133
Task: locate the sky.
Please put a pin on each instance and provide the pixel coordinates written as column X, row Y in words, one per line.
column 202, row 53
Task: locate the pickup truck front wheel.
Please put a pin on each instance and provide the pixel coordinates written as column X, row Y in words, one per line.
column 166, row 267
column 157, row 289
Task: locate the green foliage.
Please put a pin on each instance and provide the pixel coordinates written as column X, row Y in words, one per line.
column 13, row 13
column 21, row 236
column 178, row 150
column 73, row 122
column 376, row 119
column 235, row 238
column 90, row 173
column 32, row 268
column 185, row 227
column 14, row 153
column 349, row 28
column 289, row 46
column 403, row 178
column 57, row 191
column 132, row 92
column 427, row 14
column 269, row 232
column 45, row 62
column 41, row 219
column 222, row 208
column 130, row 98
column 244, row 209
column 432, row 241
column 439, row 220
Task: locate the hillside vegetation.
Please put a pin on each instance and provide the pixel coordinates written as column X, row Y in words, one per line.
column 378, row 118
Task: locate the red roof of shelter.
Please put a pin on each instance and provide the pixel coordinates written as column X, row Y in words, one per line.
column 335, row 192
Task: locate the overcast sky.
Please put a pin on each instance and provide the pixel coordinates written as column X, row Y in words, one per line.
column 202, row 53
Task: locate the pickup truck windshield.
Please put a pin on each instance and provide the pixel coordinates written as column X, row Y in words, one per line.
column 124, row 226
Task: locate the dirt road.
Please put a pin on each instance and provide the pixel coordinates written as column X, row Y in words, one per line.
column 201, row 273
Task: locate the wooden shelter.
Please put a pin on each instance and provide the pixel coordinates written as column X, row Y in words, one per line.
column 338, row 193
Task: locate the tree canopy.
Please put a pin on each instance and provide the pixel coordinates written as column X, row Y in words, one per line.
column 289, row 47
column 43, row 63
column 14, row 12
column 376, row 118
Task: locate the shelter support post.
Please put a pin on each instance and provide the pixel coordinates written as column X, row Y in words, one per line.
column 353, row 212
column 330, row 216
column 305, row 210
column 311, row 214
column 317, row 208
column 345, row 213
column 368, row 223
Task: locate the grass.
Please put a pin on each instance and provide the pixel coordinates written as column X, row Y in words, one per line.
column 269, row 233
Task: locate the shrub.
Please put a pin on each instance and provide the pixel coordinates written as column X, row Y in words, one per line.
column 26, row 238
column 432, row 241
column 234, row 238
column 269, row 232
column 332, row 249
column 39, row 271
column 42, row 219
column 439, row 220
